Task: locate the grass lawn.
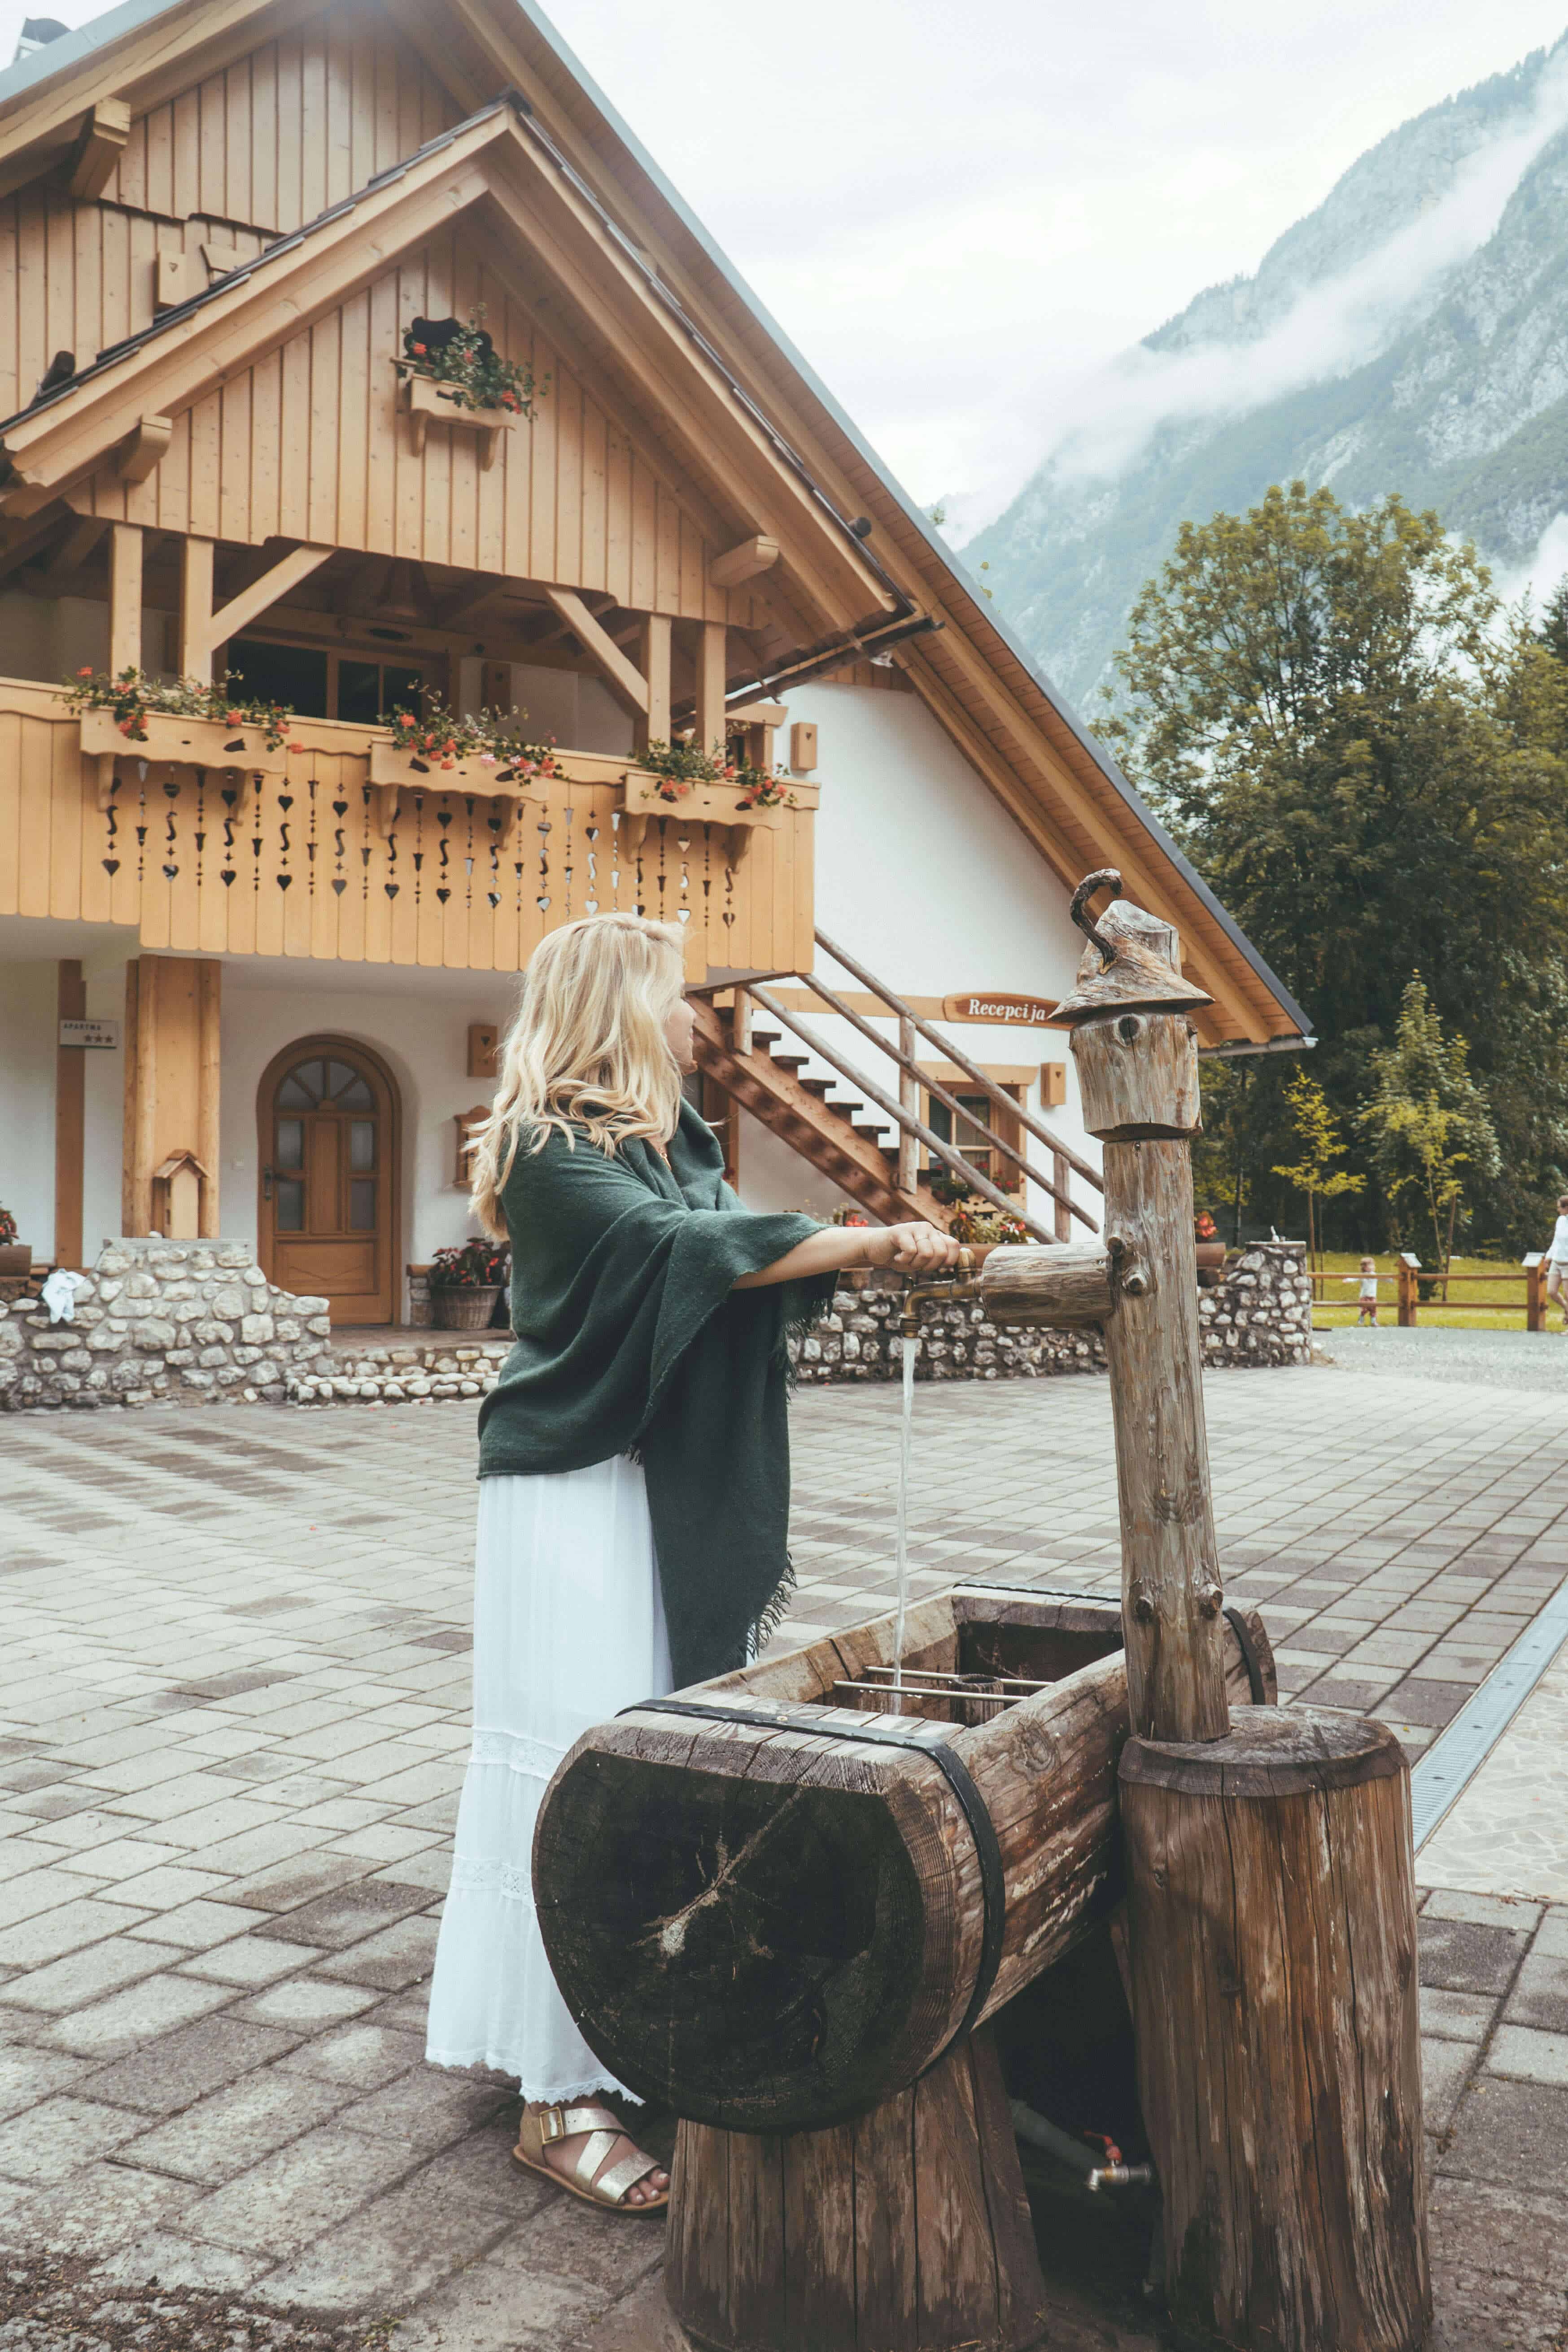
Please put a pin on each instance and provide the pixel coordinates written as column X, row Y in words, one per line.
column 1499, row 1301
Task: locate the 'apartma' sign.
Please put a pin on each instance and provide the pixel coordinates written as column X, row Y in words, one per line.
column 1023, row 1012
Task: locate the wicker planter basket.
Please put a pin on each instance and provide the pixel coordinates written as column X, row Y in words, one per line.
column 15, row 1257
column 465, row 1307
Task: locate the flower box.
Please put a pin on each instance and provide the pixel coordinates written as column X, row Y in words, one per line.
column 171, row 739
column 393, row 772
column 644, row 796
column 427, row 401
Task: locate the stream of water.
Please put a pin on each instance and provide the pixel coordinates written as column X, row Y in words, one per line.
column 906, row 1436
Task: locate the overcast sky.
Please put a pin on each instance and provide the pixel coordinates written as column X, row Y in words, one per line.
column 957, row 210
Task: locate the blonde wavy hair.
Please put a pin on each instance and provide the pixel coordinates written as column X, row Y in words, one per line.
column 586, row 1048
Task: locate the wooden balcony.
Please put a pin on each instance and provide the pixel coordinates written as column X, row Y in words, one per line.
column 307, row 854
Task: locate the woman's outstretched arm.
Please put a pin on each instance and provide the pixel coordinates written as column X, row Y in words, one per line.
column 907, row 1249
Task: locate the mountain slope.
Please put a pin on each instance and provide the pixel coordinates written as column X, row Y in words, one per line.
column 1410, row 334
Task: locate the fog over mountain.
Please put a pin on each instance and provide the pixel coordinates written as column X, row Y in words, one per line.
column 1410, row 334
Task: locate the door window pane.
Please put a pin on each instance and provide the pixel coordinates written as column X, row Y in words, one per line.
column 361, row 1204
column 347, row 1088
column 301, row 1089
column 289, row 1205
column 361, row 1143
column 290, row 1143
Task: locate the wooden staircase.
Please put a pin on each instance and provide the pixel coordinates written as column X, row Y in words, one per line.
column 750, row 1048
column 833, row 1134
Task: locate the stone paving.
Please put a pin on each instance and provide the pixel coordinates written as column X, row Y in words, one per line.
column 233, row 1726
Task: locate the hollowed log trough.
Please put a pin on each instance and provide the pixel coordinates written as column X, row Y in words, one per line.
column 771, row 1927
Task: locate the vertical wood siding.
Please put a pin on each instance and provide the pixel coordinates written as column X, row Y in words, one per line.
column 294, row 127
column 243, row 156
column 312, row 443
column 299, row 866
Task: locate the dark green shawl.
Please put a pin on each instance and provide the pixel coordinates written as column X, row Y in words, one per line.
column 630, row 1338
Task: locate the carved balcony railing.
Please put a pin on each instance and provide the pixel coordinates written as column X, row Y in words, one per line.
column 204, row 849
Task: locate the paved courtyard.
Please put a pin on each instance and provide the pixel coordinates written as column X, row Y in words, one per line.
column 234, row 1727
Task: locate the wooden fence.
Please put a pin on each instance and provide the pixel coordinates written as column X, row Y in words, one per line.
column 1409, row 1274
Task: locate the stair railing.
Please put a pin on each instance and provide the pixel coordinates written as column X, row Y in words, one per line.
column 910, row 1070
column 935, row 1036
column 906, row 1120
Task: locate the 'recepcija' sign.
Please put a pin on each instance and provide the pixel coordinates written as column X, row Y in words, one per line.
column 1021, row 1012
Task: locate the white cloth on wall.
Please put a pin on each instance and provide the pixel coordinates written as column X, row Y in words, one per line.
column 568, row 1628
column 59, row 1293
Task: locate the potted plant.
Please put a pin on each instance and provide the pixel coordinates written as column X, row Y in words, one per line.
column 15, row 1257
column 452, row 374
column 465, row 1283
column 1210, row 1251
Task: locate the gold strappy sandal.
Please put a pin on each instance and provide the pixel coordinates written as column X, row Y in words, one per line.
column 542, row 2127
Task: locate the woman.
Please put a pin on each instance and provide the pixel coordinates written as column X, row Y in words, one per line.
column 633, row 1470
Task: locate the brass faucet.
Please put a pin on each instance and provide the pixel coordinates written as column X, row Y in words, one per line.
column 961, row 1284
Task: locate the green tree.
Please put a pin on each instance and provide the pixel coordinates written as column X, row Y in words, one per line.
column 1369, row 761
column 1318, row 1133
column 1427, row 1119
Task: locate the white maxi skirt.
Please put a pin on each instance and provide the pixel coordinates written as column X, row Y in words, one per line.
column 568, row 1628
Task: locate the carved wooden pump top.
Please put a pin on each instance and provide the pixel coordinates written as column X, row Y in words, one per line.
column 1132, row 962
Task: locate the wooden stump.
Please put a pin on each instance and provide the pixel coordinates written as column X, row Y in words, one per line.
column 907, row 2230
column 1272, row 1917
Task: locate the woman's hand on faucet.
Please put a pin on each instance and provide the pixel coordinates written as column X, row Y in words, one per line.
column 913, row 1249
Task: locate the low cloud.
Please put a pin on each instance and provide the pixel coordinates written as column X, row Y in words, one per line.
column 1106, row 417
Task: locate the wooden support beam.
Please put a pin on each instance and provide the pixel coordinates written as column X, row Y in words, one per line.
column 27, row 541
column 172, row 1041
column 142, row 447
column 99, row 145
column 202, row 629
column 71, row 1117
column 458, row 610
column 196, row 619
column 75, row 546
column 711, row 658
column 744, row 563
column 600, row 646
column 125, row 565
column 653, row 642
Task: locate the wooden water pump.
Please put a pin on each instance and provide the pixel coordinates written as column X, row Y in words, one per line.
column 785, row 1902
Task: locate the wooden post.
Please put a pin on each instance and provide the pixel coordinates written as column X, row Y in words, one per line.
column 1138, row 1074
column 196, row 609
column 653, row 643
column 1534, row 1292
column 1409, row 1290
column 1271, row 1917
column 910, row 2226
column 910, row 1101
column 124, row 598
column 1062, row 1216
column 172, row 1024
column 70, row 1112
column 1271, row 1904
column 713, row 676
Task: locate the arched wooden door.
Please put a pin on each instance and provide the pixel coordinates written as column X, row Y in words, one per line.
column 328, row 1218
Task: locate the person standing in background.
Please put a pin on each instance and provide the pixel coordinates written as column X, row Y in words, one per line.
column 1557, row 1259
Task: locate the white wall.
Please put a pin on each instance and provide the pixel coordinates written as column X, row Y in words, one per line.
column 422, row 1035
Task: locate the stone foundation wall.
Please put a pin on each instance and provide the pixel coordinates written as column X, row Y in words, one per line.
column 199, row 1323
column 1260, row 1314
column 165, row 1323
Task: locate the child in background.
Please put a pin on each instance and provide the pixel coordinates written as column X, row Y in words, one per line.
column 1366, row 1291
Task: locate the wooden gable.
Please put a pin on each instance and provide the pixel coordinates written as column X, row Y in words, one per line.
column 313, row 442
column 243, row 154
